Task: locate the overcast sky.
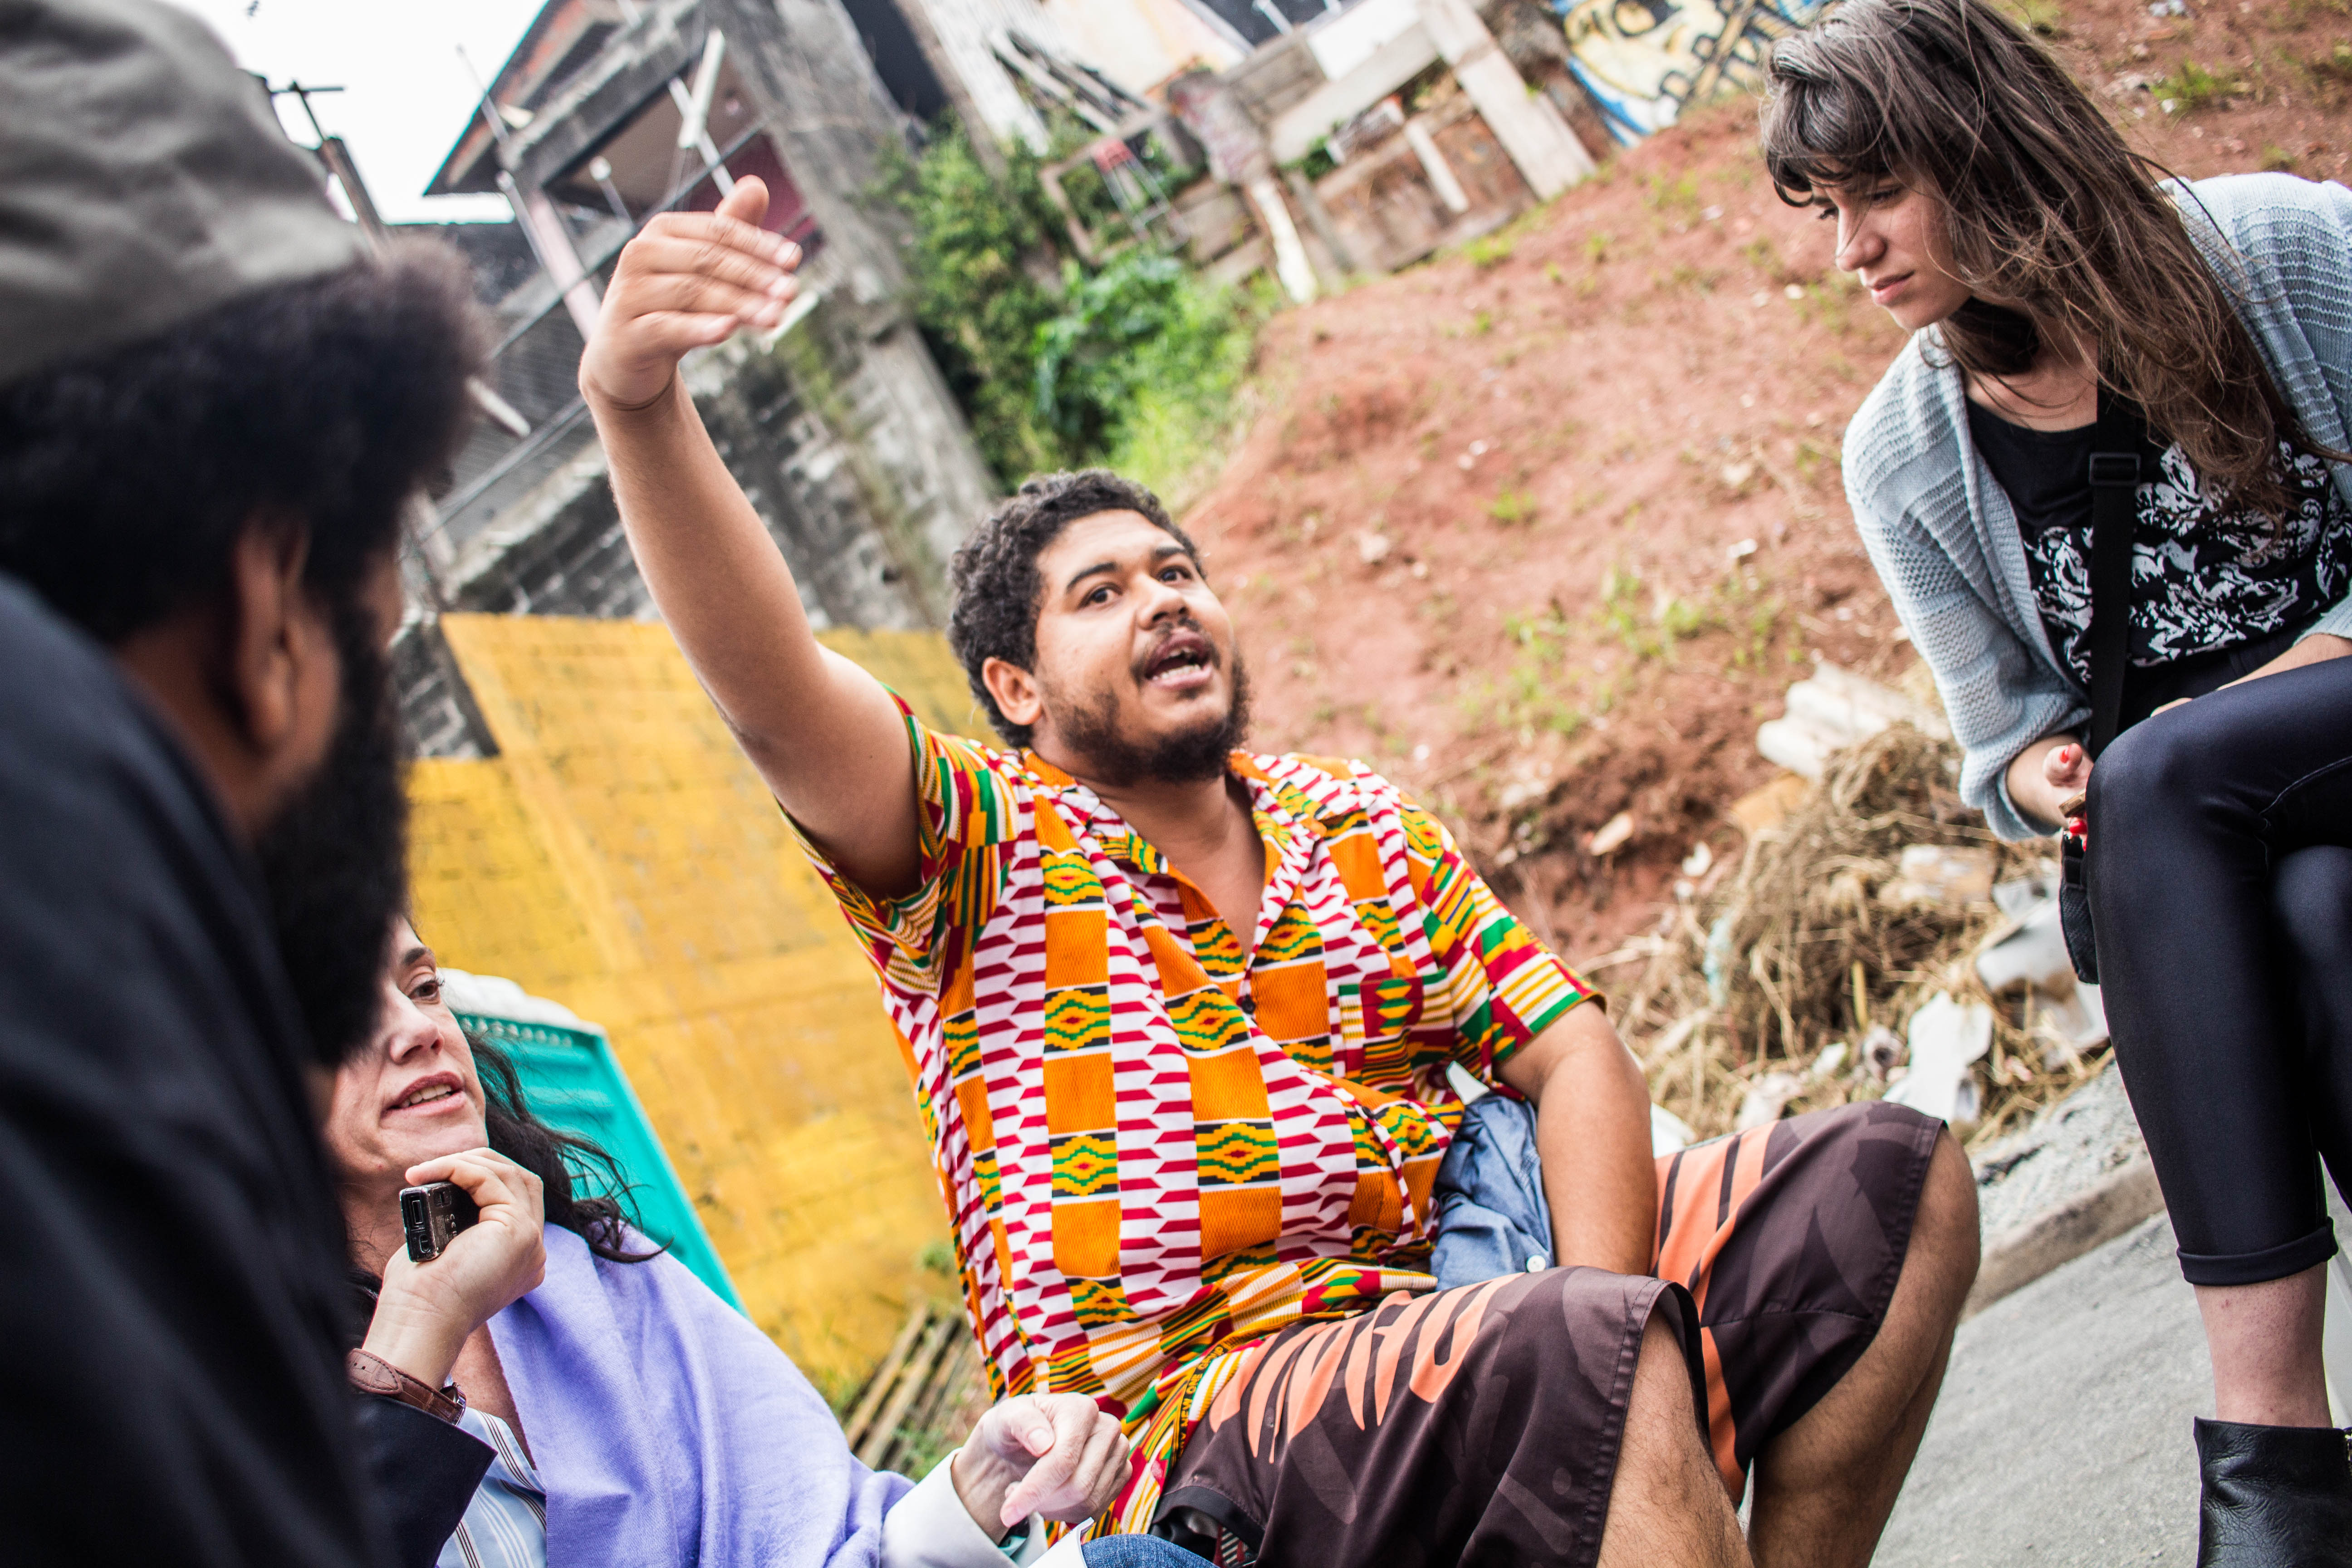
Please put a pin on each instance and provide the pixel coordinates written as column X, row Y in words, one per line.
column 406, row 94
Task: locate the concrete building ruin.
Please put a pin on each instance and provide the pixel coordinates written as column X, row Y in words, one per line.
column 1313, row 138
column 838, row 425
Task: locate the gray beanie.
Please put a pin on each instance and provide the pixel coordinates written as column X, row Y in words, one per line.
column 144, row 180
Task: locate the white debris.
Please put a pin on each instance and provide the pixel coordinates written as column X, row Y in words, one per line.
column 1939, row 874
column 1611, row 836
column 2066, row 1015
column 1668, row 1132
column 1741, row 550
column 1374, row 547
column 1825, row 1066
column 1699, row 861
column 1882, row 1052
column 1766, row 1098
column 1948, row 1039
column 1833, row 710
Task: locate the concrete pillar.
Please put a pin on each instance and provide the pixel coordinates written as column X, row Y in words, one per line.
column 544, row 227
column 1547, row 151
column 1290, row 263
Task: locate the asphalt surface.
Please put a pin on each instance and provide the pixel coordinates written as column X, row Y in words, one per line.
column 2063, row 1433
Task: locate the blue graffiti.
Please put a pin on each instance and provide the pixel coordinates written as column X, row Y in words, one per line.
column 1642, row 60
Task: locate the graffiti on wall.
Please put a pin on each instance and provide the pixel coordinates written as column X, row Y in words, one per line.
column 1641, row 60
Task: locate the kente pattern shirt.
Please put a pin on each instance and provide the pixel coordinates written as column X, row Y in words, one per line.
column 1150, row 1150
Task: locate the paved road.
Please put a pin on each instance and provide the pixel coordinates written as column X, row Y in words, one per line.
column 2063, row 1433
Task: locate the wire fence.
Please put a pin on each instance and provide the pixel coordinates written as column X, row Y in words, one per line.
column 535, row 369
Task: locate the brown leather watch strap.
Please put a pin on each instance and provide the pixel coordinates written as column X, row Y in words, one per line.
column 371, row 1373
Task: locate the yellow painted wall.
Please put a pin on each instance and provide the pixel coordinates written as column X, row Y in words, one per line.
column 620, row 856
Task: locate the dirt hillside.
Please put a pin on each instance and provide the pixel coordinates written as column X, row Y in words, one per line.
column 1547, row 526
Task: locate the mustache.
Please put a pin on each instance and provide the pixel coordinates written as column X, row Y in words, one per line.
column 1186, row 627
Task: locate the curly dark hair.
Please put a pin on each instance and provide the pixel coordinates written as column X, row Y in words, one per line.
column 997, row 589
column 127, row 478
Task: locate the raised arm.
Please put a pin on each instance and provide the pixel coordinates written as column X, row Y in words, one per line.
column 822, row 732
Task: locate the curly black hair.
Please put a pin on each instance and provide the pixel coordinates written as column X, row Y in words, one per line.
column 997, row 589
column 127, row 478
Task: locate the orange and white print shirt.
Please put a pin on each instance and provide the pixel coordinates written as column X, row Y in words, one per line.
column 1150, row 1150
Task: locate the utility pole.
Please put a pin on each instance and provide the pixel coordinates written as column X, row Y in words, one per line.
column 337, row 156
column 540, row 224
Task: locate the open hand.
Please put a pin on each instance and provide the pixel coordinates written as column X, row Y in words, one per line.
column 426, row 1311
column 687, row 281
column 1054, row 1454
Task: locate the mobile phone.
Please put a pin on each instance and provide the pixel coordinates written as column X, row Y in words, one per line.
column 431, row 1216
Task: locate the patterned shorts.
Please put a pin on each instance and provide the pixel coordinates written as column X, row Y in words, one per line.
column 1481, row 1425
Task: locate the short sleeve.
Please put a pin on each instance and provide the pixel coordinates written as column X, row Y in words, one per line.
column 967, row 810
column 1500, row 986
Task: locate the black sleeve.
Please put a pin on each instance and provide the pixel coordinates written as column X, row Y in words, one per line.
column 172, row 1302
column 424, row 1472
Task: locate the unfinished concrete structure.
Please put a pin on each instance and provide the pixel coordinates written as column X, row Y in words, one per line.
column 839, row 425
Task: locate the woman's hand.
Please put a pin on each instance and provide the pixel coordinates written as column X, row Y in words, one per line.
column 427, row 1311
column 2047, row 777
column 1054, row 1454
column 687, row 281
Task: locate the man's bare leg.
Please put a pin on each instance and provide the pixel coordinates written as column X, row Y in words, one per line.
column 1666, row 1503
column 1824, row 1487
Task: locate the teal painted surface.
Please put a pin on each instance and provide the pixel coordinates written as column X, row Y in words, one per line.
column 569, row 1079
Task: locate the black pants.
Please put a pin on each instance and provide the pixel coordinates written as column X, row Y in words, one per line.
column 2221, row 881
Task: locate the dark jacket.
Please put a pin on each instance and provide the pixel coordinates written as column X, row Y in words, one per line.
column 172, row 1298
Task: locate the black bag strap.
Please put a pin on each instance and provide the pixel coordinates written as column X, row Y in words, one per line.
column 2114, row 487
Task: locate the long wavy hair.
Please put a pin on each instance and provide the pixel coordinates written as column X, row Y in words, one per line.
column 559, row 1160
column 2056, row 227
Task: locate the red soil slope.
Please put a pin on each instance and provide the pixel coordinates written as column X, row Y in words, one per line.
column 1546, row 528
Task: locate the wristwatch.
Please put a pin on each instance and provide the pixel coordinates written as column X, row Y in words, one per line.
column 371, row 1373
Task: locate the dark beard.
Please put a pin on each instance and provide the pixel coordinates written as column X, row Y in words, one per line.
column 1188, row 756
column 334, row 861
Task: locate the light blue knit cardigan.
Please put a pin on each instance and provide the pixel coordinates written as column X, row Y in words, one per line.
column 1941, row 532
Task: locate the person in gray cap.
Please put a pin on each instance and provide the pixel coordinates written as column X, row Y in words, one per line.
column 216, row 405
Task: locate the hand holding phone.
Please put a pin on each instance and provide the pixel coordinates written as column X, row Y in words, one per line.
column 431, row 1216
column 474, row 1241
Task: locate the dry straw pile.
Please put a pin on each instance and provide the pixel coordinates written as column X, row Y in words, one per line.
column 1800, row 950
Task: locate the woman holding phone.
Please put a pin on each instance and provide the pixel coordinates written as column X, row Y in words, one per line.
column 2082, row 326
column 629, row 1416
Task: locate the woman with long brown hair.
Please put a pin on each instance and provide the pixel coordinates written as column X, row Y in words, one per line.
column 2105, row 486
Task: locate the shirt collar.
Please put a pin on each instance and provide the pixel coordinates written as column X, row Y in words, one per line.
column 1282, row 816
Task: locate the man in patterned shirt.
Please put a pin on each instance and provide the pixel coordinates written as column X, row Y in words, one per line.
column 1180, row 1019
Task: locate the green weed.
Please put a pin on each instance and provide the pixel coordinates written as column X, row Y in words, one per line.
column 1685, row 278
column 1512, row 508
column 1596, row 246
column 1134, row 366
column 2036, row 17
column 1491, row 250
column 2277, row 160
column 1673, row 197
column 1482, row 322
column 1552, row 274
column 2192, row 90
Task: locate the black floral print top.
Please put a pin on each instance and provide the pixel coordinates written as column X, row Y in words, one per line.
column 2205, row 575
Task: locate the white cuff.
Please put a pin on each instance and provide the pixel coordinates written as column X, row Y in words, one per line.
column 931, row 1528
